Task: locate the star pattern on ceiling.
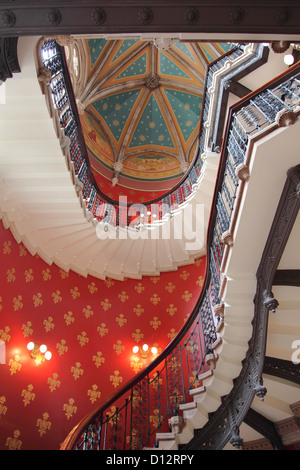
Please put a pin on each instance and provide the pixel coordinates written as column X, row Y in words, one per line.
column 140, row 108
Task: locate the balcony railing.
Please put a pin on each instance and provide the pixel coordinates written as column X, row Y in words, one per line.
column 98, row 206
column 129, row 419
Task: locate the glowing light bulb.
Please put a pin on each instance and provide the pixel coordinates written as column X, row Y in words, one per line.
column 145, row 347
column 154, row 350
column 43, row 348
column 48, row 355
column 288, row 59
column 135, row 349
column 30, row 346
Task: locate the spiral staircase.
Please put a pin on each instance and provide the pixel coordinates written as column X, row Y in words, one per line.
column 41, row 208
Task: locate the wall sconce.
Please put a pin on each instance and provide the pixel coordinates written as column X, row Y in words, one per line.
column 145, row 350
column 39, row 353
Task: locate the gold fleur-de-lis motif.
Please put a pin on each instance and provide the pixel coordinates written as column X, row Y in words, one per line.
column 94, row 393
column 139, row 288
column 48, row 324
column 121, row 320
column 105, row 304
column 184, row 275
column 28, row 395
column 69, row 318
column 37, row 299
column 53, row 382
column 3, row 407
column 88, row 312
column 22, row 250
column 4, row 334
column 119, row 347
column 109, row 282
column 155, row 323
column 15, row 365
column 18, row 304
column 123, row 296
column 186, row 296
column 136, row 365
column 137, row 335
column 56, row 297
column 92, row 288
column 102, row 330
column 62, row 347
column 199, row 281
column 154, row 279
column 70, row 408
column 83, row 339
column 157, row 381
column 198, row 262
column 1, row 306
column 116, row 379
column 75, row 293
column 10, row 275
column 27, row 330
column 155, row 299
column 29, row 275
column 63, row 274
column 14, row 443
column 138, row 310
column 77, row 371
column 172, row 333
column 46, row 274
column 171, row 310
column 194, row 380
column 170, row 287
column 155, row 418
column 7, row 247
column 98, row 359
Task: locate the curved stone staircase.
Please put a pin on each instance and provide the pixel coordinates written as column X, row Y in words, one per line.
column 40, row 206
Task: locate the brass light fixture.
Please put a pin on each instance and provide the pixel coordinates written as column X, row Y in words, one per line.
column 39, row 353
column 145, row 350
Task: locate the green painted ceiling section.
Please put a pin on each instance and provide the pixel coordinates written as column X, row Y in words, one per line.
column 187, row 110
column 138, row 67
column 115, row 110
column 168, row 67
column 152, row 128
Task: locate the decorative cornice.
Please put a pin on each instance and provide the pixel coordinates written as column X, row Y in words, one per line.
column 75, row 17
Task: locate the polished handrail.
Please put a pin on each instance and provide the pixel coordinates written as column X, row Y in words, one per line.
column 286, row 86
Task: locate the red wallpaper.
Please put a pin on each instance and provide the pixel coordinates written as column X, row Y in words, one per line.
column 89, row 325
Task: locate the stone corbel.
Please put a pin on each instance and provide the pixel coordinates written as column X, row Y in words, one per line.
column 286, row 118
column 176, row 424
column 118, row 167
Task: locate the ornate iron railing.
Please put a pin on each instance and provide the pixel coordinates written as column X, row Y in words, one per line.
column 98, row 206
column 130, row 418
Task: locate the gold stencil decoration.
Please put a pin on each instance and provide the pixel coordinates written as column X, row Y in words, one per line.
column 170, row 287
column 56, row 296
column 139, row 288
column 22, row 251
column 83, row 339
column 137, row 335
column 17, row 302
column 116, row 379
column 63, row 274
column 200, row 281
column 171, row 310
column 155, row 299
column 123, row 296
column 119, row 347
column 94, row 393
column 10, row 275
column 15, row 365
column 77, row 371
column 3, row 407
column 14, row 443
column 28, row 395
column 37, row 299
column 69, row 319
column 121, row 320
column 138, row 310
column 98, row 359
column 48, row 324
column 92, row 288
column 7, row 247
column 155, row 323
column 105, row 304
column 75, row 293
column 186, row 296
column 53, row 382
column 102, row 330
column 136, row 365
column 29, row 275
column 184, row 275
column 70, row 408
column 27, row 330
column 43, row 424
column 46, row 274
column 62, row 347
column 88, row 312
column 4, row 334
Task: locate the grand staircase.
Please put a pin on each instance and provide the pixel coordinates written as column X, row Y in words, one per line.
column 39, row 204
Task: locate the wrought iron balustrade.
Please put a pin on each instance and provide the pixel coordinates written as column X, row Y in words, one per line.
column 130, row 418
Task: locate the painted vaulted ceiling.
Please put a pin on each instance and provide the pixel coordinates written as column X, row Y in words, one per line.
column 140, row 104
